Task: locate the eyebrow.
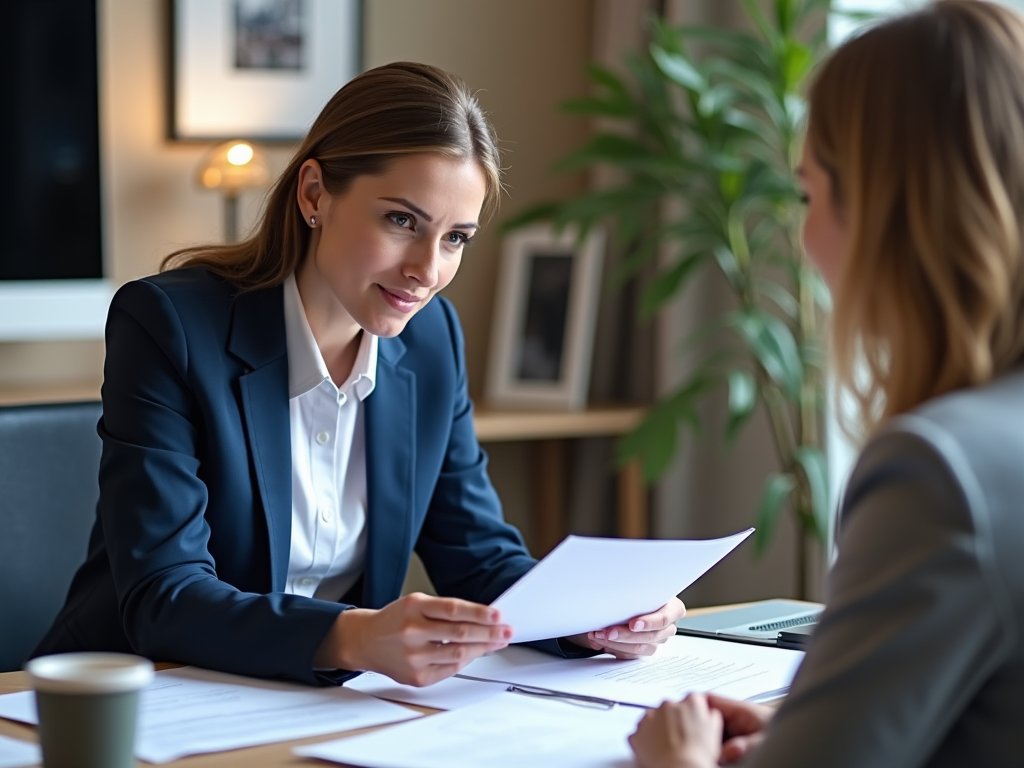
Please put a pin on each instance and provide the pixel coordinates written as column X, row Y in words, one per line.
column 423, row 214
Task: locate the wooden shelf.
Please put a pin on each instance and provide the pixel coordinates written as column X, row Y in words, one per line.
column 67, row 392
column 494, row 425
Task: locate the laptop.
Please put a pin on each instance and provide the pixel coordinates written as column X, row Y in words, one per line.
column 760, row 623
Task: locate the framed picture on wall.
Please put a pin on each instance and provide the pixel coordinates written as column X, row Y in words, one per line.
column 544, row 318
column 258, row 69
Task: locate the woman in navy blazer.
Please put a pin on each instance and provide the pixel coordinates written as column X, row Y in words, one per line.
column 189, row 557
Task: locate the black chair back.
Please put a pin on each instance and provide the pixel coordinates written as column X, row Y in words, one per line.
column 49, row 468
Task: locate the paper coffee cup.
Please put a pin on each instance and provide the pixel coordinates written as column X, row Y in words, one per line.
column 88, row 706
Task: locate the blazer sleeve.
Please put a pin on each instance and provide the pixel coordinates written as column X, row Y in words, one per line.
column 153, row 512
column 915, row 622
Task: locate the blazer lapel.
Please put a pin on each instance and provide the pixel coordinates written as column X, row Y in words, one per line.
column 257, row 338
column 390, row 480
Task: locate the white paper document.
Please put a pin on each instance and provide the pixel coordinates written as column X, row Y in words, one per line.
column 15, row 753
column 564, row 593
column 191, row 711
column 506, row 731
column 446, row 694
column 683, row 664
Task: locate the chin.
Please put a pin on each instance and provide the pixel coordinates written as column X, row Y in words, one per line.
column 385, row 327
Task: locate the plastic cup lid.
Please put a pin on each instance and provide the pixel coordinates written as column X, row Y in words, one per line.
column 85, row 673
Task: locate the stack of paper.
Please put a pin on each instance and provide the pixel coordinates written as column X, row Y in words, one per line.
column 506, row 731
column 191, row 711
column 15, row 753
column 446, row 694
column 681, row 665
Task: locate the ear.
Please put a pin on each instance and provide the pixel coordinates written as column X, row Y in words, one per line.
column 310, row 193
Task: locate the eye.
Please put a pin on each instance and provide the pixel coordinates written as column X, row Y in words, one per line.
column 458, row 238
column 399, row 219
column 805, row 198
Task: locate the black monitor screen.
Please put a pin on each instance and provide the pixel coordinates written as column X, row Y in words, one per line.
column 49, row 142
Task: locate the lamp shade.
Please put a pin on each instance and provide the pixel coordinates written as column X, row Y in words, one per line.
column 234, row 166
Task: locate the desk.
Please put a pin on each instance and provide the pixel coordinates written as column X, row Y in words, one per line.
column 268, row 756
column 550, row 430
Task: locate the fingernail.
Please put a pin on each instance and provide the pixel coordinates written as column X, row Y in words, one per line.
column 639, row 625
column 599, row 634
column 613, row 635
column 506, row 633
column 494, row 615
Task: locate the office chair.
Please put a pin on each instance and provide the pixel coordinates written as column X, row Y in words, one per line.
column 49, row 467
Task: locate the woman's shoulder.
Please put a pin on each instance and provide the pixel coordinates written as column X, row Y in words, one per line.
column 984, row 424
column 969, row 442
column 178, row 283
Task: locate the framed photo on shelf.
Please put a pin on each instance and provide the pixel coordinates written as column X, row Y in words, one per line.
column 545, row 313
column 258, row 69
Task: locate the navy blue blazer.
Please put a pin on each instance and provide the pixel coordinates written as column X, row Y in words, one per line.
column 189, row 554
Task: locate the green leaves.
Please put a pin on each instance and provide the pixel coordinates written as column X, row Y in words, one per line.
column 679, row 68
column 654, row 441
column 774, row 347
column 742, row 400
column 776, row 489
column 814, row 465
column 706, row 122
column 667, row 284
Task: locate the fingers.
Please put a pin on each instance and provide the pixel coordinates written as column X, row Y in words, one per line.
column 455, row 622
column 459, row 632
column 738, row 747
column 454, row 609
column 642, row 635
column 664, row 617
column 429, row 675
column 624, row 643
column 741, row 717
column 624, row 634
column 456, row 654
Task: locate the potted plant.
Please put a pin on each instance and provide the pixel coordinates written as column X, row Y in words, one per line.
column 717, row 136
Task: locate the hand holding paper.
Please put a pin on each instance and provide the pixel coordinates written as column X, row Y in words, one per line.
column 640, row 636
column 566, row 595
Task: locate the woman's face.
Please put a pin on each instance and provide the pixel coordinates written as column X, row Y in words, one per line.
column 383, row 248
column 825, row 234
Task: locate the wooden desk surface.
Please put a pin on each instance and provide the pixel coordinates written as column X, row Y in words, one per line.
column 268, row 756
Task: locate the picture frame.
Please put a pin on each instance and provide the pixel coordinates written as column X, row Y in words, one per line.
column 545, row 315
column 257, row 69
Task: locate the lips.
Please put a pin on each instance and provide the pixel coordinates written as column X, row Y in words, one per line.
column 400, row 300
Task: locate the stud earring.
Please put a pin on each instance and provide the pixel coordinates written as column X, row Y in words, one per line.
column 312, row 221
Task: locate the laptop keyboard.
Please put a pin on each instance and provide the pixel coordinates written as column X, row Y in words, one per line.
column 797, row 621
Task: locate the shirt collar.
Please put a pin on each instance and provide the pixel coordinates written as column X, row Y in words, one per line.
column 306, row 366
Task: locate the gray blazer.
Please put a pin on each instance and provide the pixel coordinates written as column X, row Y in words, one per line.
column 919, row 657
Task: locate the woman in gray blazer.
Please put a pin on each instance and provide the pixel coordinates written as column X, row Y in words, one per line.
column 914, row 173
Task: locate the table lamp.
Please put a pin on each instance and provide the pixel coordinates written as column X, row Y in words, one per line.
column 232, row 167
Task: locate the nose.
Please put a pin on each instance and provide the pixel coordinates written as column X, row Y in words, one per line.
column 422, row 264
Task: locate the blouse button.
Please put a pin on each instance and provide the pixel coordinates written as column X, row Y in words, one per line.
column 322, row 438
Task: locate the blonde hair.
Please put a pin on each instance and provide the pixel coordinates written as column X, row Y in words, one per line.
column 395, row 110
column 919, row 123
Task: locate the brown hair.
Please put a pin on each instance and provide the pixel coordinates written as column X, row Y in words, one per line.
column 919, row 123
column 390, row 111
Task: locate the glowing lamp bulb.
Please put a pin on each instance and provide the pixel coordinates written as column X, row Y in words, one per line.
column 240, row 154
